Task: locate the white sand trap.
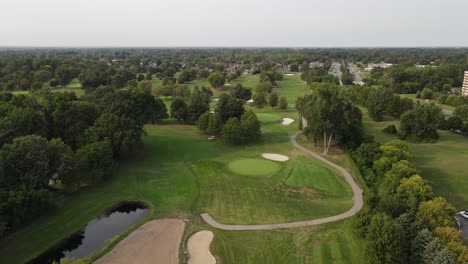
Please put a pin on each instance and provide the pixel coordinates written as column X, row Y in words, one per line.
column 289, row 74
column 287, row 121
column 154, row 242
column 199, row 248
column 275, row 157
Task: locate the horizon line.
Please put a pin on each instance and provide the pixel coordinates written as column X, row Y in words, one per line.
column 224, row 47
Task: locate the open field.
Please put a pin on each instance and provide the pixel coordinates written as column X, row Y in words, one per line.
column 181, row 175
column 442, row 163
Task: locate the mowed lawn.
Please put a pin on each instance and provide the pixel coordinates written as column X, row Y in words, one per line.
column 442, row 163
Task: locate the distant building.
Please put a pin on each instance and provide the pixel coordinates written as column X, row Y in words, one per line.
column 464, row 91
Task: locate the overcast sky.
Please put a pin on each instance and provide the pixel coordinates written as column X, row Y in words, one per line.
column 271, row 23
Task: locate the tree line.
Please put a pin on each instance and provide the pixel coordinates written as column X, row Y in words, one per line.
column 56, row 141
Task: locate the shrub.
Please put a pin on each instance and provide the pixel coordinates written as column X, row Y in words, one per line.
column 390, row 129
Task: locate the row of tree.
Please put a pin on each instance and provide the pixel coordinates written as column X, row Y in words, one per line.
column 56, row 140
column 403, row 222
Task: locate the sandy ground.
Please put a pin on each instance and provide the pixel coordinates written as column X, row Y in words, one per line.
column 154, row 242
column 199, row 248
column 287, row 121
column 289, row 74
column 275, row 157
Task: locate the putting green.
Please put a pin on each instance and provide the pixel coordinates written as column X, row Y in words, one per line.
column 254, row 167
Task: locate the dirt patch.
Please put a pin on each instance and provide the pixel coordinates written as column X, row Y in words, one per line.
column 154, row 242
column 275, row 157
column 199, row 248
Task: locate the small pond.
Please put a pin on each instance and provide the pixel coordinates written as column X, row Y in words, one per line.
column 96, row 234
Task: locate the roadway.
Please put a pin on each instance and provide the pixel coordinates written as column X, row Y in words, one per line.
column 463, row 225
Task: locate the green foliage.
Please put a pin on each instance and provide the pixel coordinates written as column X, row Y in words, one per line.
column 390, row 129
column 283, row 103
column 419, row 244
column 215, row 124
column 198, row 104
column 273, row 100
column 203, row 121
column 217, row 79
column 420, row 124
column 229, row 107
column 427, row 93
column 241, row 93
column 455, row 100
column 259, row 99
column 30, row 161
column 243, row 131
column 377, row 103
column 94, row 162
column 435, row 213
column 462, row 112
column 386, row 240
column 232, row 131
column 333, row 116
column 122, row 132
column 179, row 109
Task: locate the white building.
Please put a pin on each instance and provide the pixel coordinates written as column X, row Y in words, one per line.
column 464, row 90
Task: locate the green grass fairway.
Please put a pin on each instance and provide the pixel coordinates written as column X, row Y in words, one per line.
column 254, row 167
column 442, row 163
column 265, row 118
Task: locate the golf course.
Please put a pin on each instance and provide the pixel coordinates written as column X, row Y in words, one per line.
column 181, row 175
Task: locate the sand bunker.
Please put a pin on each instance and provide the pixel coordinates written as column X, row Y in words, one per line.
column 154, row 242
column 199, row 248
column 275, row 157
column 287, row 121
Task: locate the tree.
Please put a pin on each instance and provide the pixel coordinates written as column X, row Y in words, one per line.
column 203, row 121
column 427, row 93
column 259, row 99
column 264, row 87
column 377, row 103
column 420, row 124
column 215, row 124
column 179, row 109
column 333, row 116
column 250, row 127
column 31, row 161
column 462, row 112
column 216, row 79
column 283, row 103
column 94, row 161
column 182, row 91
column 232, row 131
column 198, row 104
column 385, row 238
column 273, row 99
column 419, row 243
column 65, row 73
column 453, row 240
column 241, row 93
column 435, row 213
column 229, row 107
column 122, row 132
column 435, row 252
column 413, row 190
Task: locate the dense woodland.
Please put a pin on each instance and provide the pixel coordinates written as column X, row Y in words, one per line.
column 53, row 142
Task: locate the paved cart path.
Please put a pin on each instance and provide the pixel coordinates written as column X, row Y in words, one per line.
column 358, row 202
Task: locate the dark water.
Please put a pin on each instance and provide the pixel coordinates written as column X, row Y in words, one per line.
column 95, row 235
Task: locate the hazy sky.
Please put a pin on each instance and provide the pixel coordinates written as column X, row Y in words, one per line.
column 292, row 23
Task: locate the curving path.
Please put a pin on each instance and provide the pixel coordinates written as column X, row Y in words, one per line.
column 358, row 202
